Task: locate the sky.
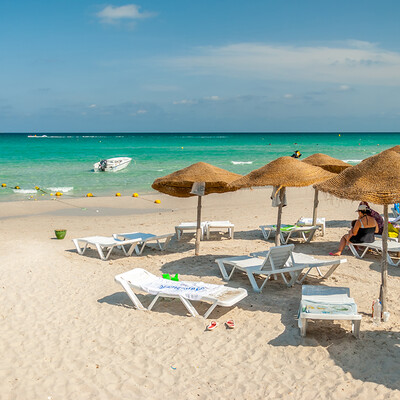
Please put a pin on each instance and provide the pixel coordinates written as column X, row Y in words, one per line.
column 199, row 66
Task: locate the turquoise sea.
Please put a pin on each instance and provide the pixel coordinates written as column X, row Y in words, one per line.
column 64, row 162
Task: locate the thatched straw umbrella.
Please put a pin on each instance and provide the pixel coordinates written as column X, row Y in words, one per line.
column 283, row 172
column 327, row 163
column 180, row 184
column 375, row 180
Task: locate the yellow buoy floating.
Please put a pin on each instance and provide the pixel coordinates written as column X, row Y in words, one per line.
column 3, row 185
column 59, row 194
column 17, row 187
column 118, row 194
column 89, row 195
column 37, row 187
column 157, row 201
column 135, row 195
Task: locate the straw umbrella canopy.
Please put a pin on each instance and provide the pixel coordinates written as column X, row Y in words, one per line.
column 283, row 172
column 327, row 163
column 375, row 180
column 180, row 183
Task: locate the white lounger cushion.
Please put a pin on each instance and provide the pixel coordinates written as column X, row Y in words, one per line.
column 144, row 239
column 105, row 242
column 324, row 302
column 142, row 280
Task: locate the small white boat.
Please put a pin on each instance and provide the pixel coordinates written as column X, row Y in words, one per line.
column 112, row 164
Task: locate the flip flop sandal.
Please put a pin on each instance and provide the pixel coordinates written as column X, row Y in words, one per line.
column 230, row 323
column 212, row 325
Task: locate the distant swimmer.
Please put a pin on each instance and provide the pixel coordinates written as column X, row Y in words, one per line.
column 296, row 154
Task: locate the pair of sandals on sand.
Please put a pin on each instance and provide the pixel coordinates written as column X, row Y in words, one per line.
column 213, row 324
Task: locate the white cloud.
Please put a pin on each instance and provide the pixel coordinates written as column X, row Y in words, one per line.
column 352, row 61
column 112, row 14
column 92, row 106
column 288, row 96
column 344, row 88
column 141, row 111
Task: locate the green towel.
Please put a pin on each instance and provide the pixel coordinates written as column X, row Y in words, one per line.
column 287, row 228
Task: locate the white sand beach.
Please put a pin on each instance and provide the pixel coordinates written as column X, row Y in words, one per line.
column 68, row 331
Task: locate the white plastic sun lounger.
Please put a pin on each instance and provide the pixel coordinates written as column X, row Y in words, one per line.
column 321, row 222
column 191, row 227
column 141, row 280
column 218, row 225
column 145, row 238
column 329, row 303
column 278, row 260
column 393, row 247
column 103, row 243
column 287, row 231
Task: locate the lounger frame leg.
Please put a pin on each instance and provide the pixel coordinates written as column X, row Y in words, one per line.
column 136, row 302
column 266, row 233
column 223, row 270
column 101, row 254
column 356, row 253
column 209, row 311
column 189, row 306
column 78, row 247
column 330, row 271
column 355, row 327
column 303, row 326
column 254, row 283
column 151, row 305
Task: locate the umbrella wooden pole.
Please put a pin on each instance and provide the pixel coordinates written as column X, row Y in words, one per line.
column 198, row 230
column 314, row 216
column 279, row 221
column 383, row 290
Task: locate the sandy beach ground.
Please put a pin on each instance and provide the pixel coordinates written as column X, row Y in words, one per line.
column 68, row 331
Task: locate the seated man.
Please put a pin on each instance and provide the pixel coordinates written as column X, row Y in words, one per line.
column 363, row 231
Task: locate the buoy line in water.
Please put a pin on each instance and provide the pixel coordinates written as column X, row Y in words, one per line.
column 59, row 194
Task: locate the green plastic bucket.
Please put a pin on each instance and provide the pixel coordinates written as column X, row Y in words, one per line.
column 60, row 233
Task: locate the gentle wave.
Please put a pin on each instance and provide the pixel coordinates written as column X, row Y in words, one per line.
column 61, row 189
column 241, row 162
column 24, row 191
column 352, row 161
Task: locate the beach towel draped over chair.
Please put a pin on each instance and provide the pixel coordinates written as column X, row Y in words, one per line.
column 106, row 243
column 141, row 280
column 288, row 231
column 145, row 238
column 279, row 260
column 329, row 303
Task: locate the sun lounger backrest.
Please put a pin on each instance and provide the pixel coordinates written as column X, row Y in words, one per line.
column 277, row 257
